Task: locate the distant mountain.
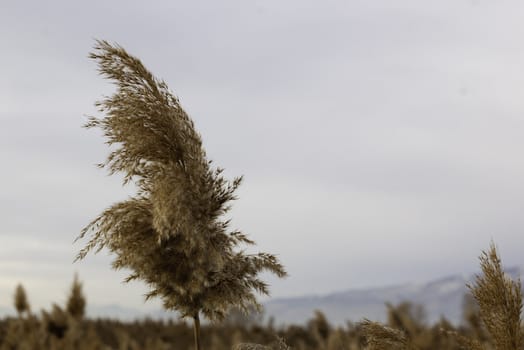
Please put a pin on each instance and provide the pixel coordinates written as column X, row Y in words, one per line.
column 114, row 311
column 6, row 311
column 110, row 311
column 441, row 297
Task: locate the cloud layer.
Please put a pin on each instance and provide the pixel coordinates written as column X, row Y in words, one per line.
column 380, row 141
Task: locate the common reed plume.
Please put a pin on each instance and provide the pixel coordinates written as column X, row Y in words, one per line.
column 20, row 301
column 500, row 302
column 172, row 234
column 278, row 344
column 76, row 301
column 463, row 341
column 380, row 337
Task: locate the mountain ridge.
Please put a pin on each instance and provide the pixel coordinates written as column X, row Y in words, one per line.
column 441, row 297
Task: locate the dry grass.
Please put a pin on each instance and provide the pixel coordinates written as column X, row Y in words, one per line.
column 279, row 344
column 380, row 337
column 500, row 302
column 173, row 234
column 500, row 305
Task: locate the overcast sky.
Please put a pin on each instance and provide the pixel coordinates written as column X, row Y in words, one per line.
column 381, row 141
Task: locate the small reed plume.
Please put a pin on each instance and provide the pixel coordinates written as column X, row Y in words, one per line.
column 500, row 302
column 380, row 337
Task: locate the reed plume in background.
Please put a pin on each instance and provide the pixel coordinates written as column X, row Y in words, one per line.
column 380, row 337
column 76, row 301
column 20, row 301
column 172, row 234
column 499, row 300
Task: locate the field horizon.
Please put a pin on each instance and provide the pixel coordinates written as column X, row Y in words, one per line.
column 439, row 296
